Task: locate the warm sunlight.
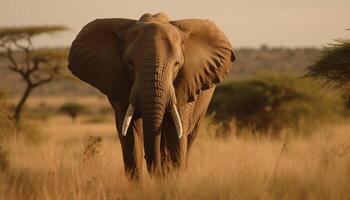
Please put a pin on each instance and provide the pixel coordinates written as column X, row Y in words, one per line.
column 135, row 99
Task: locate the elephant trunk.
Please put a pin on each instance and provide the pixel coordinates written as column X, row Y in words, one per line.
column 153, row 100
column 153, row 93
column 153, row 97
column 153, row 110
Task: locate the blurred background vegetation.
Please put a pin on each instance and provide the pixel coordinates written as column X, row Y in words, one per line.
column 269, row 90
column 268, row 104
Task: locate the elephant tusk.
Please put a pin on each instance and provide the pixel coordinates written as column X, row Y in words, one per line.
column 177, row 120
column 127, row 119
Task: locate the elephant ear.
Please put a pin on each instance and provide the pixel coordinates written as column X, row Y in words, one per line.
column 208, row 57
column 96, row 57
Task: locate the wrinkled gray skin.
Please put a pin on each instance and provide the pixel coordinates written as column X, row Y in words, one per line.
column 153, row 63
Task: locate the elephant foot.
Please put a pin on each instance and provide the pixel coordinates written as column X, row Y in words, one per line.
column 133, row 175
column 154, row 170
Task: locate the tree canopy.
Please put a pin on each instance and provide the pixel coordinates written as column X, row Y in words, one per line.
column 333, row 66
column 28, row 31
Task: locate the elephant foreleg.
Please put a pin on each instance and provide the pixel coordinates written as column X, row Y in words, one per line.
column 132, row 154
column 132, row 146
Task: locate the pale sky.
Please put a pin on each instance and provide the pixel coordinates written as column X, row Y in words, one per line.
column 247, row 23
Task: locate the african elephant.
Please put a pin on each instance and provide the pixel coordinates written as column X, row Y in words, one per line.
column 159, row 76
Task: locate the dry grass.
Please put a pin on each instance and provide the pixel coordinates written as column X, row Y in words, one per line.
column 232, row 168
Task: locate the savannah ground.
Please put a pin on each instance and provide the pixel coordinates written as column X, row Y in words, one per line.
column 82, row 160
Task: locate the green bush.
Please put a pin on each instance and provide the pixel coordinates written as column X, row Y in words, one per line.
column 270, row 104
column 72, row 109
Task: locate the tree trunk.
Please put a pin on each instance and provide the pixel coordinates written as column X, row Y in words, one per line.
column 19, row 107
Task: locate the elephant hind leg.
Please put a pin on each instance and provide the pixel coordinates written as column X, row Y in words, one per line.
column 193, row 134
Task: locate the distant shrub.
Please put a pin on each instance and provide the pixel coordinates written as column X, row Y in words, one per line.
column 72, row 109
column 270, row 104
column 101, row 115
column 105, row 110
column 98, row 118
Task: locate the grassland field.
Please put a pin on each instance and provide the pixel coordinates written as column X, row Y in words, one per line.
column 82, row 160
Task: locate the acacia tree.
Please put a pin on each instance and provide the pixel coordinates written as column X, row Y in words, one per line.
column 333, row 66
column 36, row 67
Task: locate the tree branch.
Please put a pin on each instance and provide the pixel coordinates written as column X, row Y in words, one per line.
column 14, row 69
column 43, row 81
column 36, row 64
column 26, row 49
column 12, row 59
column 4, row 41
column 3, row 48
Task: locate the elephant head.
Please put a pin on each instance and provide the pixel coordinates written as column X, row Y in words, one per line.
column 152, row 64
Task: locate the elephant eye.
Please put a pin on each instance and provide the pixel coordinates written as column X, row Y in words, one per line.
column 130, row 63
column 177, row 64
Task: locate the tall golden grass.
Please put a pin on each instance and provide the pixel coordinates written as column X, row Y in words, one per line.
column 317, row 167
